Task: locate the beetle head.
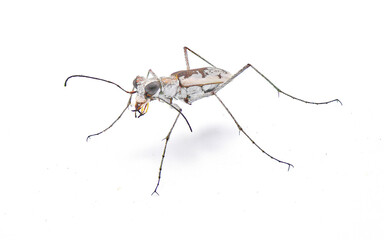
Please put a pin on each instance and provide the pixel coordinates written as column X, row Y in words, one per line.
column 146, row 90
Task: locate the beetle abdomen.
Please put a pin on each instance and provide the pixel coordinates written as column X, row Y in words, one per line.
column 201, row 76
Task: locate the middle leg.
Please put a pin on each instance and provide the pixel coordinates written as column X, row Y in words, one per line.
column 150, row 72
column 186, row 57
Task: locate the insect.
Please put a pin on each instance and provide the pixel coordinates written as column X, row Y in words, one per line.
column 186, row 85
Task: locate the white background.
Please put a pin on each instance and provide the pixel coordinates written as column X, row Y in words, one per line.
column 216, row 184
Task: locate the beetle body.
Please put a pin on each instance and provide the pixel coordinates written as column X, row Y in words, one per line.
column 187, row 85
column 198, row 83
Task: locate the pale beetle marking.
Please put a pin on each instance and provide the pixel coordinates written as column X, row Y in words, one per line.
column 187, row 85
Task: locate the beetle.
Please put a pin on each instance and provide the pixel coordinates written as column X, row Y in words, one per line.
column 188, row 86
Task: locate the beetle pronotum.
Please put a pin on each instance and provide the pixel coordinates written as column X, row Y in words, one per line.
column 188, row 85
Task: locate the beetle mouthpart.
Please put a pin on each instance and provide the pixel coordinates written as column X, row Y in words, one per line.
column 141, row 108
column 144, row 109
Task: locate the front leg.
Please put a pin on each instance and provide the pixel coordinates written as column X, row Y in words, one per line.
column 162, row 157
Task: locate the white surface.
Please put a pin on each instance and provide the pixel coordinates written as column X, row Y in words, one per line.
column 215, row 185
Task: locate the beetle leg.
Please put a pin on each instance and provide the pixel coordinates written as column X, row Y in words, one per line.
column 187, row 61
column 273, row 85
column 162, row 157
column 253, row 142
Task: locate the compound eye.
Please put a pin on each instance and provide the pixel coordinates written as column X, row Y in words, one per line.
column 135, row 83
column 152, row 88
column 137, row 80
